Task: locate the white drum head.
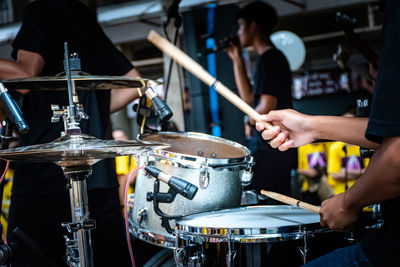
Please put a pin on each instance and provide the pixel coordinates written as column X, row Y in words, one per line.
column 249, row 223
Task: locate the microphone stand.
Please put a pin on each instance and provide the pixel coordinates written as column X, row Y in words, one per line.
column 173, row 12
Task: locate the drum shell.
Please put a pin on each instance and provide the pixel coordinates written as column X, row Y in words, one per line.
column 218, row 188
column 292, row 243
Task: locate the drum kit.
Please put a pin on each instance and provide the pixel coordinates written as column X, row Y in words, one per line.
column 210, row 228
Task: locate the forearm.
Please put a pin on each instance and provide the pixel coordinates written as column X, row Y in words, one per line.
column 380, row 181
column 242, row 81
column 28, row 64
column 342, row 175
column 10, row 69
column 122, row 97
column 348, row 130
column 308, row 172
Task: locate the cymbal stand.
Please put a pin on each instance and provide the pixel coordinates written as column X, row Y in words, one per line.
column 79, row 249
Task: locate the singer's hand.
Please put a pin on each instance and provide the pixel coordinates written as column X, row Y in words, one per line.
column 234, row 51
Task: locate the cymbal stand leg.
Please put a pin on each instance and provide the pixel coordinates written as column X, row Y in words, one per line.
column 79, row 249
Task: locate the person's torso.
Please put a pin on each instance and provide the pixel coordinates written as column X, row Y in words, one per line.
column 343, row 156
column 85, row 37
column 272, row 77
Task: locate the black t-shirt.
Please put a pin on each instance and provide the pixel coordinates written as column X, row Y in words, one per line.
column 383, row 247
column 271, row 77
column 272, row 168
column 46, row 26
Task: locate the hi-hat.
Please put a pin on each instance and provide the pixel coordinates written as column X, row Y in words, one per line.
column 83, row 81
column 78, row 150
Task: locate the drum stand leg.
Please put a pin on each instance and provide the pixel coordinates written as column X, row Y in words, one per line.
column 230, row 256
column 303, row 251
column 79, row 249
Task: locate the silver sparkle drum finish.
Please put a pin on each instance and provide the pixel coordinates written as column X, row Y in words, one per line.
column 252, row 236
column 218, row 167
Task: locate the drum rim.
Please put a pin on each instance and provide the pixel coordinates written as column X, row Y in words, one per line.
column 158, row 239
column 246, row 234
column 205, row 161
column 221, row 235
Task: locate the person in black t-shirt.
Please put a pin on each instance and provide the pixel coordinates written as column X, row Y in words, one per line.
column 40, row 201
column 271, row 90
column 381, row 180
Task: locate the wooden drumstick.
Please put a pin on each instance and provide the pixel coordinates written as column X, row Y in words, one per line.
column 197, row 70
column 291, row 201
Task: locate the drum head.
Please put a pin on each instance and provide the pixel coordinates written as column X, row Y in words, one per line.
column 249, row 224
column 192, row 146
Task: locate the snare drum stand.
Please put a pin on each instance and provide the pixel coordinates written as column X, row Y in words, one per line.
column 79, row 249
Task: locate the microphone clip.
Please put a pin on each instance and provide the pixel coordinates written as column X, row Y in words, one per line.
column 158, row 197
column 157, row 114
column 176, row 186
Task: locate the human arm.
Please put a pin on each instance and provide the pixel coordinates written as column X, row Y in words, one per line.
column 239, row 69
column 380, row 182
column 308, row 172
column 122, row 97
column 28, row 64
column 342, row 175
column 293, row 129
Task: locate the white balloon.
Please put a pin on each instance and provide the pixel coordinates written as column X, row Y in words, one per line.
column 291, row 46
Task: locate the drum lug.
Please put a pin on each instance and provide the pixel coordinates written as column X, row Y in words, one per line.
column 142, row 217
column 190, row 256
column 130, row 204
column 247, row 177
column 204, row 179
column 247, row 174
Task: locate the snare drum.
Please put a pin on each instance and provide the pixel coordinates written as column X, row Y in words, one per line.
column 253, row 236
column 218, row 167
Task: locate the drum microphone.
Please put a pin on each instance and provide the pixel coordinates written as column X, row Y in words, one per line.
column 183, row 187
column 12, row 110
column 162, row 111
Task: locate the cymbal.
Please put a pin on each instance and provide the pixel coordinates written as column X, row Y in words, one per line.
column 78, row 150
column 83, row 81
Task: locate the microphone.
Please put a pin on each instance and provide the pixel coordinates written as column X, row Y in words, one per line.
column 163, row 112
column 12, row 110
column 183, row 187
column 221, row 44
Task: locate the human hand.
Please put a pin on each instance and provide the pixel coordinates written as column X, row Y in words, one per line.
column 234, row 51
column 291, row 129
column 334, row 214
column 373, row 71
column 308, row 172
